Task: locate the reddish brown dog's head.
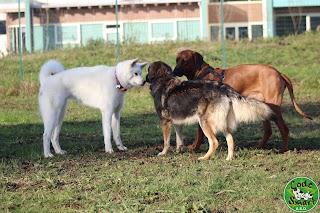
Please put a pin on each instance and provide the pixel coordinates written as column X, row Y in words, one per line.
column 158, row 69
column 188, row 62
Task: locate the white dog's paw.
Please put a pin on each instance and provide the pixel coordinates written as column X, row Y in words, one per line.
column 110, row 151
column 122, row 148
column 62, row 152
column 48, row 155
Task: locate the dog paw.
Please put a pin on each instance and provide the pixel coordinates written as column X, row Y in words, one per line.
column 202, row 159
column 229, row 158
column 110, row 151
column 48, row 155
column 181, row 149
column 122, row 148
column 62, row 152
column 162, row 153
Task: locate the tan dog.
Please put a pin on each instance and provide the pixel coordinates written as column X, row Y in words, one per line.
column 257, row 81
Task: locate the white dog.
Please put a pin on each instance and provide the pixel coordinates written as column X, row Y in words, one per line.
column 100, row 87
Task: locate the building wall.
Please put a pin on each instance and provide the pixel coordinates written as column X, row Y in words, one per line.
column 236, row 12
column 55, row 28
column 241, row 20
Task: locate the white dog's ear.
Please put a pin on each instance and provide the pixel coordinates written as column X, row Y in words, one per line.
column 142, row 65
column 134, row 61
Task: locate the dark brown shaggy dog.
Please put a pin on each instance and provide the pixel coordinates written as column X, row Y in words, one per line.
column 257, row 81
column 215, row 106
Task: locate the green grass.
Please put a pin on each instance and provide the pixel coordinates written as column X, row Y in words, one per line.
column 88, row 180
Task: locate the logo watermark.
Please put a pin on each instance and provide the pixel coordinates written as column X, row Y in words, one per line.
column 301, row 194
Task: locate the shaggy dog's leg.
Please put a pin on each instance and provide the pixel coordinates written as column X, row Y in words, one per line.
column 207, row 128
column 230, row 143
column 166, row 130
column 179, row 137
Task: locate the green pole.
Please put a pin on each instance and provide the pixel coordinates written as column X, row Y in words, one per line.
column 117, row 27
column 28, row 34
column 19, row 41
column 224, row 56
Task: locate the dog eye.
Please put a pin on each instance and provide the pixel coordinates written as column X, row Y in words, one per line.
column 136, row 74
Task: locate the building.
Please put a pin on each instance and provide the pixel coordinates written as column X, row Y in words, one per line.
column 51, row 24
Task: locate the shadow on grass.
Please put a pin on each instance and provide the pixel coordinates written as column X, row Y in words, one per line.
column 142, row 132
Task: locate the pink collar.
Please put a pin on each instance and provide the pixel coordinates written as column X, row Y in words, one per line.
column 118, row 85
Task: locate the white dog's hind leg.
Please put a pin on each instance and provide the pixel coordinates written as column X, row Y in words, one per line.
column 116, row 131
column 56, row 133
column 179, row 137
column 49, row 121
column 106, row 124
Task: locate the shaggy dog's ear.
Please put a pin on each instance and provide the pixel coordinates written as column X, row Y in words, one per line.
column 165, row 69
column 198, row 60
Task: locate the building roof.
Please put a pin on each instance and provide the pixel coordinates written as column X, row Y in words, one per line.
column 8, row 6
column 77, row 3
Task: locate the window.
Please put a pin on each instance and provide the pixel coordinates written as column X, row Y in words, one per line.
column 188, row 30
column 315, row 23
column 243, row 32
column 257, row 31
column 162, row 30
column 288, row 25
column 214, row 33
column 2, row 27
column 67, row 34
column 230, row 33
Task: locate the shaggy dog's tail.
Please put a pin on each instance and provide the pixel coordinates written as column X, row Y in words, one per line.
column 50, row 68
column 248, row 110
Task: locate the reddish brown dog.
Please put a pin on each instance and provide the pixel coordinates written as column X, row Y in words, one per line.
column 257, row 81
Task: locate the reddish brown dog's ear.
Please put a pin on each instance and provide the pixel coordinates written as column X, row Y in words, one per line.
column 198, row 60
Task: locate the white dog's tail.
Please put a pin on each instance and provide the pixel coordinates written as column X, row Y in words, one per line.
column 249, row 110
column 50, row 68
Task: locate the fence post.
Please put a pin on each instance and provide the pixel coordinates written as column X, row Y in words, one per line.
column 204, row 19
column 28, row 25
column 20, row 40
column 117, row 27
column 224, row 56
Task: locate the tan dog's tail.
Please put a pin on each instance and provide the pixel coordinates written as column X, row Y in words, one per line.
column 290, row 89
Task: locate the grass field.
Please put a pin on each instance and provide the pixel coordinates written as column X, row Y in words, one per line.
column 88, row 180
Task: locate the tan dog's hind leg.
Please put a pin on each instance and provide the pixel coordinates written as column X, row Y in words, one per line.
column 213, row 142
column 166, row 130
column 197, row 141
column 266, row 135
